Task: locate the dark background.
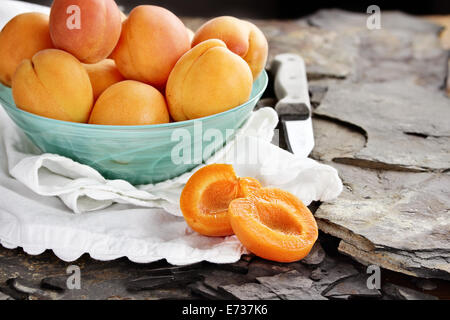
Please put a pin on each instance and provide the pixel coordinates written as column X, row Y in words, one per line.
column 281, row 9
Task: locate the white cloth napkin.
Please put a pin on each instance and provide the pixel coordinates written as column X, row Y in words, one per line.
column 114, row 219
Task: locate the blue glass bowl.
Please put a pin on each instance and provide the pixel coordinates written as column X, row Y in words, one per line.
column 138, row 154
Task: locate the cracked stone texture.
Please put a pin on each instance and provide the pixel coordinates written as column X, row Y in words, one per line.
column 406, row 125
column 315, row 256
column 398, row 220
column 404, row 48
column 292, row 285
column 353, row 287
column 342, row 20
column 250, row 291
column 330, row 272
column 389, row 114
column 402, row 293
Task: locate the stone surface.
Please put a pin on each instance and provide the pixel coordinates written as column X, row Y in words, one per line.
column 340, row 20
column 32, row 290
column 426, row 284
column 330, row 272
column 239, row 267
column 412, row 118
column 398, row 220
column 315, row 256
column 335, row 139
column 292, row 285
column 250, row 291
column 261, row 268
column 353, row 287
column 403, row 293
column 327, row 54
column 404, row 48
column 4, row 296
column 218, row 278
column 205, row 292
column 54, row 283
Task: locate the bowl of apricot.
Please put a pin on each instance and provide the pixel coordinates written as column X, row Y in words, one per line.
column 140, row 154
column 140, row 97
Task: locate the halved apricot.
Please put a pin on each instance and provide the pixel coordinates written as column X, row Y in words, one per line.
column 205, row 198
column 273, row 224
column 247, row 186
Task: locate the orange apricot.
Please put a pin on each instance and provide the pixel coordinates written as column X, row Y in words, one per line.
column 21, row 38
column 241, row 37
column 273, row 224
column 129, row 103
column 247, row 186
column 205, row 198
column 208, row 79
column 152, row 41
column 102, row 74
column 89, row 30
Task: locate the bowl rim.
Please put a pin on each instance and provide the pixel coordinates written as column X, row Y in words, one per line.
column 262, row 77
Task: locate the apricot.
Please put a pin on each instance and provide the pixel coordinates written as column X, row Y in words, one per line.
column 130, row 102
column 208, row 79
column 152, row 41
column 87, row 29
column 273, row 224
column 53, row 84
column 248, row 186
column 22, row 37
column 205, row 198
column 242, row 37
column 102, row 74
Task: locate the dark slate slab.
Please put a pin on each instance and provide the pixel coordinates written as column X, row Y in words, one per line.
column 403, row 293
column 353, row 287
column 217, row 278
column 406, row 47
column 4, row 296
column 164, row 281
column 315, row 256
column 54, row 283
column 412, row 118
column 340, row 20
column 292, row 285
column 397, row 220
column 200, row 289
column 330, row 272
column 263, row 268
column 31, row 289
column 250, row 291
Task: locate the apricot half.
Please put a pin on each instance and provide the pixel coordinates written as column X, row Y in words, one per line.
column 273, row 224
column 205, row 198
